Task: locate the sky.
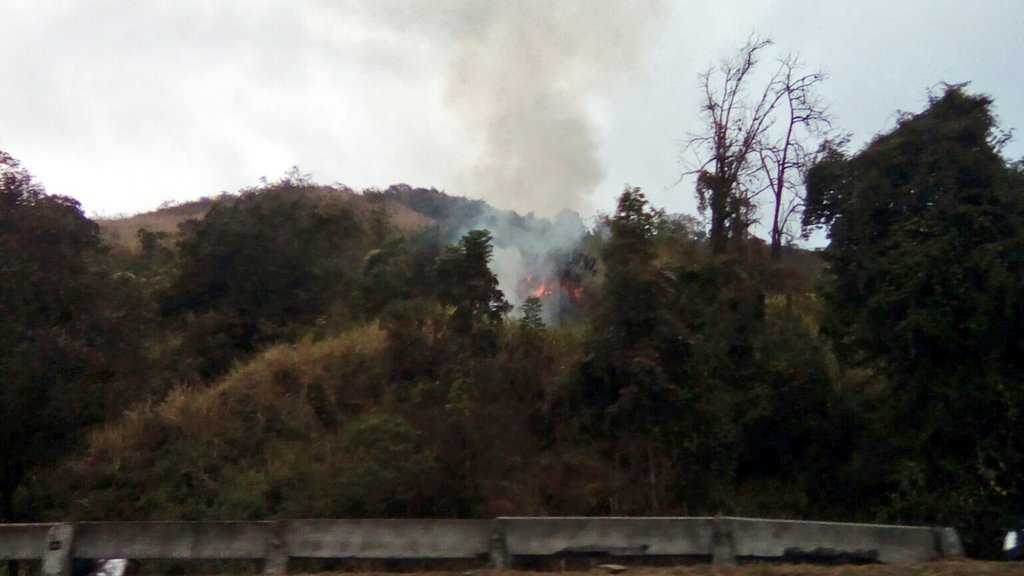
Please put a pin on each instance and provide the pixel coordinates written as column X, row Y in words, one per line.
column 533, row 105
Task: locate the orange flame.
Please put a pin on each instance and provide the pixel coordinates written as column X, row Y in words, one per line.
column 542, row 288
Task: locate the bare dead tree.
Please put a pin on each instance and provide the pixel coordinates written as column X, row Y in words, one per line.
column 735, row 129
column 742, row 155
column 803, row 118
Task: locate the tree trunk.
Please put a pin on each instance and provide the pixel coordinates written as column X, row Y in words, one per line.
column 776, row 253
column 719, row 204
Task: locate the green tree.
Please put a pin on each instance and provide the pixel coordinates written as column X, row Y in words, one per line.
column 72, row 332
column 387, row 276
column 926, row 286
column 533, row 314
column 382, row 469
column 262, row 267
column 627, row 321
column 466, row 283
column 154, row 258
column 630, row 381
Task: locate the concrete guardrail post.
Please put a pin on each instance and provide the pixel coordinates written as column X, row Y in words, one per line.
column 275, row 551
column 58, row 552
column 723, row 547
column 497, row 547
column 947, row 542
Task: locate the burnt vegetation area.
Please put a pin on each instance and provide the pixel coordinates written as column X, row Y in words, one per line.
column 297, row 350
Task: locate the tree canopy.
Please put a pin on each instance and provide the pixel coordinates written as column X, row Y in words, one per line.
column 926, row 286
column 66, row 321
column 466, row 283
column 260, row 267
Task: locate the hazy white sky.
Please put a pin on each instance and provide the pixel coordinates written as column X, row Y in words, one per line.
column 533, row 105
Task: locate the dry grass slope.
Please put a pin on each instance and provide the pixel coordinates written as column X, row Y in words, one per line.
column 274, row 424
column 121, row 231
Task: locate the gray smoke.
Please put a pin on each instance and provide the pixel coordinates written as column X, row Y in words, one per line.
column 531, row 252
column 524, row 78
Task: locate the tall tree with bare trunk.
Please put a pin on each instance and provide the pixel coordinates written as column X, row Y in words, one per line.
column 755, row 141
column 804, row 119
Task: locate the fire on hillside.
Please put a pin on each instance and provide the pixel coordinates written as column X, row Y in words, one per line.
column 544, row 288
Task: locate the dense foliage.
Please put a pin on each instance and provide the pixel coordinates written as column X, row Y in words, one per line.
column 300, row 350
column 67, row 319
column 927, row 289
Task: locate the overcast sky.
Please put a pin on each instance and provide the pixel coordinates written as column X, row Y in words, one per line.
column 532, row 105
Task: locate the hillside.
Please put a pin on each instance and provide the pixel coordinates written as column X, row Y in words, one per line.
column 298, row 330
column 121, row 231
column 269, row 378
column 409, row 209
column 299, row 350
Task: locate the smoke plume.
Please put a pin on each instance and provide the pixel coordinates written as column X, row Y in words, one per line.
column 531, row 256
column 524, row 79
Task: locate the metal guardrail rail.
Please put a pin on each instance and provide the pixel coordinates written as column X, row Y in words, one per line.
column 496, row 542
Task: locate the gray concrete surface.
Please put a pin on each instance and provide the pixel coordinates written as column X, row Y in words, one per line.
column 889, row 544
column 614, row 536
column 171, row 540
column 59, row 550
column 495, row 541
column 387, row 538
column 23, row 541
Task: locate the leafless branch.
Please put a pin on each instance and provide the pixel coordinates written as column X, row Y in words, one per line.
column 754, row 144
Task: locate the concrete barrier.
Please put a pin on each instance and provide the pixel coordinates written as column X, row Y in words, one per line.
column 382, row 539
column 172, row 540
column 780, row 538
column 612, row 536
column 23, row 541
column 497, row 542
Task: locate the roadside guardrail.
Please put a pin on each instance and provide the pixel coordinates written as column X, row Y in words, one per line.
column 496, row 542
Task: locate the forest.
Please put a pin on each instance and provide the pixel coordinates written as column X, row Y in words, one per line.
column 300, row 350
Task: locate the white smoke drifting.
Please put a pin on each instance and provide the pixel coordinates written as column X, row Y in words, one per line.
column 530, row 255
column 523, row 80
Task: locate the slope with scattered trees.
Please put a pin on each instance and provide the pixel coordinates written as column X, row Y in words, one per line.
column 295, row 352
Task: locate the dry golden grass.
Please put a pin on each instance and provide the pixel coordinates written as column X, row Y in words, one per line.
column 121, row 232
column 406, row 219
column 276, row 381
